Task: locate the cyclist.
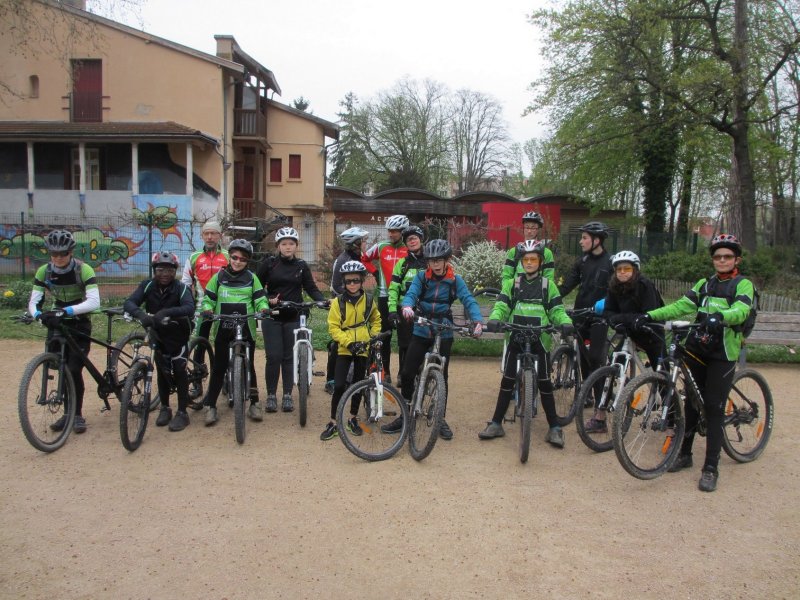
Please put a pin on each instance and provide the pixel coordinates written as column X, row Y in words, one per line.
column 387, row 253
column 532, row 225
column 351, row 331
column 353, row 239
column 164, row 297
column 432, row 293
column 629, row 294
column 232, row 290
column 73, row 285
column 714, row 347
column 528, row 299
column 285, row 277
column 404, row 272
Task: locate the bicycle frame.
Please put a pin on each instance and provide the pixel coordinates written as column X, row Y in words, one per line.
column 376, row 408
column 302, row 343
column 621, row 360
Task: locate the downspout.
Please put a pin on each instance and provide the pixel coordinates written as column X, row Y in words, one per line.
column 225, row 164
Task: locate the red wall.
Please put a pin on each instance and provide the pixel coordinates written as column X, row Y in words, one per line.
column 504, row 220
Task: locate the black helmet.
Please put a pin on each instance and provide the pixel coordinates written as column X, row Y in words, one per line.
column 595, row 229
column 413, row 230
column 164, row 258
column 241, row 245
column 533, row 217
column 59, row 241
column 437, row 249
column 726, row 240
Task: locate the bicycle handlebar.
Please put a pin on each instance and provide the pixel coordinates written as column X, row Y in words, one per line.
column 236, row 317
column 301, row 305
column 466, row 331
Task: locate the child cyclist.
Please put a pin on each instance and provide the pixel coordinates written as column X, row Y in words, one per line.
column 351, row 330
column 432, row 292
column 529, row 298
column 721, row 303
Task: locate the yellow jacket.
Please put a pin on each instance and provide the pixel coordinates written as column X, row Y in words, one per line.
column 342, row 330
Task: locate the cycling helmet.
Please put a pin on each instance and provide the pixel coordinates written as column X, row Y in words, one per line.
column 353, row 235
column 724, row 240
column 595, row 229
column 211, row 226
column 531, row 246
column 164, row 258
column 437, row 249
column 242, row 246
column 534, row 217
column 59, row 241
column 413, row 230
column 397, row 222
column 287, row 232
column 626, row 256
column 353, row 266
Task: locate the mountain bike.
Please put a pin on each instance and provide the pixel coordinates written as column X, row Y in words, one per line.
column 649, row 428
column 380, row 402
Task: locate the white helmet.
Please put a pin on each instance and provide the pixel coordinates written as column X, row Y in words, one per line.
column 353, row 266
column 353, row 235
column 287, row 232
column 397, row 222
column 625, row 256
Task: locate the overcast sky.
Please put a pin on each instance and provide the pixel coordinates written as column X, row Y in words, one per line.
column 323, row 49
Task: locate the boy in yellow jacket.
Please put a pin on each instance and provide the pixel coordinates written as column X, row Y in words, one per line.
column 352, row 320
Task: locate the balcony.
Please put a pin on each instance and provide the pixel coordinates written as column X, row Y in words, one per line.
column 249, row 123
column 247, row 208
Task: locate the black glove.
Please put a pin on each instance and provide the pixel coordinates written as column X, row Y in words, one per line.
column 567, row 329
column 493, row 326
column 160, row 316
column 324, row 304
column 616, row 320
column 714, row 324
column 642, row 321
column 394, row 319
column 356, row 347
column 146, row 320
column 51, row 320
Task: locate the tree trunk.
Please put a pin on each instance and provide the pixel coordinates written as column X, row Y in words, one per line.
column 682, row 231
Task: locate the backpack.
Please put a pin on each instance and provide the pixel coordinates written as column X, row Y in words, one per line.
column 745, row 328
column 367, row 311
column 78, row 273
column 545, row 292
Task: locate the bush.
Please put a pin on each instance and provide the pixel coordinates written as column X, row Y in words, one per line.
column 16, row 295
column 481, row 265
column 680, row 266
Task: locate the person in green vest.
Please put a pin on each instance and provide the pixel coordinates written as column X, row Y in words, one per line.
column 532, row 225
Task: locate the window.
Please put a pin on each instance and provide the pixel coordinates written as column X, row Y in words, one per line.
column 92, row 168
column 294, row 166
column 87, row 91
column 275, row 170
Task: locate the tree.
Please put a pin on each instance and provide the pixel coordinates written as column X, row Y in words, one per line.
column 301, row 104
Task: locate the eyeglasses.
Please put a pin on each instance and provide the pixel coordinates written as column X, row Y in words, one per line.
column 59, row 253
column 723, row 257
column 165, row 269
column 624, row 269
column 352, row 281
column 237, row 258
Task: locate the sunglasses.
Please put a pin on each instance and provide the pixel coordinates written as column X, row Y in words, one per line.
column 59, row 253
column 625, row 269
column 165, row 269
column 241, row 259
column 723, row 257
column 531, row 259
column 352, row 281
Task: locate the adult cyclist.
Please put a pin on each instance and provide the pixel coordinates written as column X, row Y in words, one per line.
column 532, row 226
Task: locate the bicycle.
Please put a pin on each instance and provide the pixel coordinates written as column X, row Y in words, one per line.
column 302, row 355
column 237, row 376
column 647, row 433
column 380, row 401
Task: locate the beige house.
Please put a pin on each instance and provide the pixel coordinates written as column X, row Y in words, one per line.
column 108, row 118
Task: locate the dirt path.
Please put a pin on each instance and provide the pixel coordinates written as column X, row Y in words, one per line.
column 194, row 515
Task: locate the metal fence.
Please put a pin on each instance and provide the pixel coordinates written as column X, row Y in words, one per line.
column 672, row 290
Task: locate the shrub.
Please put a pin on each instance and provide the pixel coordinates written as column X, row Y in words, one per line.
column 16, row 295
column 481, row 264
column 680, row 266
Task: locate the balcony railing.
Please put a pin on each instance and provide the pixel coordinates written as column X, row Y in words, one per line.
column 247, row 208
column 249, row 123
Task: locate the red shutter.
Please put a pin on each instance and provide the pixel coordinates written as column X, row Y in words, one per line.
column 275, row 168
column 294, row 166
column 87, row 91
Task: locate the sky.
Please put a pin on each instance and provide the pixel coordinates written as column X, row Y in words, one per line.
column 323, row 49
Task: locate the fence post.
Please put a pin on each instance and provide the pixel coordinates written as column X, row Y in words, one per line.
column 22, row 224
column 694, row 242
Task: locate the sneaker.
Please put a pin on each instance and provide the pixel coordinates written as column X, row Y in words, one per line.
column 59, row 425
column 253, row 395
column 684, row 461
column 708, row 481
column 255, row 412
column 179, row 422
column 595, row 426
column 287, row 405
column 493, row 430
column 330, row 432
column 395, row 426
column 164, row 416
column 272, row 403
column 329, row 387
column 353, row 426
column 445, row 432
column 555, row 436
column 79, row 426
column 211, row 415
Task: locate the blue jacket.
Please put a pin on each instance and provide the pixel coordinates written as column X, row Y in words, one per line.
column 433, row 295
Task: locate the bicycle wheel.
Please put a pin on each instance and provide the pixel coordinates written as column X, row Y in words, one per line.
column 749, row 415
column 566, row 381
column 302, row 385
column 122, row 357
column 239, row 394
column 645, row 441
column 607, row 379
column 135, row 406
column 372, row 444
column 424, row 424
column 41, row 404
column 198, row 366
column 526, row 386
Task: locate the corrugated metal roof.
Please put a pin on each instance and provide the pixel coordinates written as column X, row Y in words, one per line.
column 115, row 131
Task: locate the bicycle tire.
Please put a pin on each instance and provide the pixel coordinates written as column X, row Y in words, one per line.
column 527, row 392
column 302, row 385
column 566, row 383
column 128, row 344
column 644, row 444
column 40, row 405
column 372, row 445
column 423, row 428
column 198, row 370
column 749, row 416
column 239, row 393
column 597, row 441
column 134, row 408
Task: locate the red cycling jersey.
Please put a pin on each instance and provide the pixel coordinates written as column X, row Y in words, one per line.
column 202, row 265
column 387, row 254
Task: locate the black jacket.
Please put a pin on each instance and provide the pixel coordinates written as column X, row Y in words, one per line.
column 592, row 272
column 336, row 277
column 286, row 279
column 175, row 300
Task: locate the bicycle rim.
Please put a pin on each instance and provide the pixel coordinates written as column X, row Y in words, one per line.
column 40, row 404
column 424, row 424
column 565, row 384
column 302, row 385
column 527, row 391
column 239, row 393
column 200, row 359
column 372, row 444
column 749, row 416
column 603, row 385
column 134, row 407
